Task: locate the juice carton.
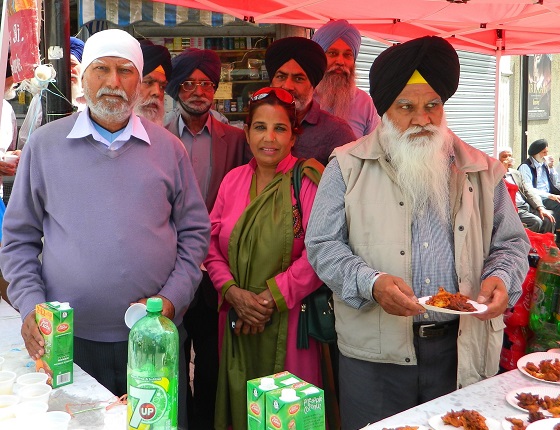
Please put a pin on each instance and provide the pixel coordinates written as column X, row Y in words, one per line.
column 256, row 389
column 301, row 407
column 56, row 324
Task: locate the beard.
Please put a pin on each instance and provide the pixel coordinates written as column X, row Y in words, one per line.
column 336, row 91
column 152, row 109
column 422, row 164
column 111, row 110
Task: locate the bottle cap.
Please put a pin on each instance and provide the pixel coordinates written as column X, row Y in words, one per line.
column 154, row 304
column 288, row 395
column 267, row 384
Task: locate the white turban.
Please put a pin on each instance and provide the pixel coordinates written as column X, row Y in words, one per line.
column 112, row 43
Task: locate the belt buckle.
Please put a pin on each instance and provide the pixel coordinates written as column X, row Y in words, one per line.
column 422, row 328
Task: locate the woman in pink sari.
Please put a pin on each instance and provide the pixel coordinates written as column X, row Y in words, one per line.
column 257, row 259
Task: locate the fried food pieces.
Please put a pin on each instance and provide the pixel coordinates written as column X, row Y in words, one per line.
column 532, row 403
column 468, row 419
column 447, row 300
column 516, row 423
column 548, row 370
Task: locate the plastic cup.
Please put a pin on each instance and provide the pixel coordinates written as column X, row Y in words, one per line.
column 134, row 313
column 31, row 412
column 7, row 404
column 32, row 379
column 56, row 420
column 10, row 158
column 7, row 379
column 37, row 392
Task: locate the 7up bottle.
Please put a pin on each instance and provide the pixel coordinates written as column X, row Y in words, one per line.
column 153, row 357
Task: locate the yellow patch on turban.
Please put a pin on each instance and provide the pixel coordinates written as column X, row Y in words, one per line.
column 416, row 78
column 159, row 69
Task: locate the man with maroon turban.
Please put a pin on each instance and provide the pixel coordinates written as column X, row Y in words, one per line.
column 337, row 92
column 399, row 213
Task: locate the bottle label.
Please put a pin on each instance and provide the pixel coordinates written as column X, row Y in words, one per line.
column 149, row 402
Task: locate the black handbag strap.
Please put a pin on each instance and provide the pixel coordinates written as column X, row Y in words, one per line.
column 297, row 173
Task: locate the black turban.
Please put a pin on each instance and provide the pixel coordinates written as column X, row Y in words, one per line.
column 537, row 146
column 434, row 58
column 308, row 54
column 191, row 59
column 155, row 56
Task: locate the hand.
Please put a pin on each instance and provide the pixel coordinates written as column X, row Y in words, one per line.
column 396, row 297
column 33, row 339
column 493, row 293
column 550, row 161
column 251, row 308
column 543, row 213
column 7, row 169
column 168, row 308
column 245, row 328
column 554, row 197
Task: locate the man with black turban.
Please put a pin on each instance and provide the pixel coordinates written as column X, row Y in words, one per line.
column 542, row 177
column 214, row 149
column 298, row 64
column 156, row 72
column 398, row 214
column 337, row 92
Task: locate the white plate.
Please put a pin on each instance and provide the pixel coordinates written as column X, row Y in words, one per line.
column 536, row 358
column 437, row 424
column 478, row 306
column 538, row 390
column 508, row 426
column 410, row 425
column 546, row 424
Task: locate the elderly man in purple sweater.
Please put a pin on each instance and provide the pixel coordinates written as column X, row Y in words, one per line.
column 111, row 202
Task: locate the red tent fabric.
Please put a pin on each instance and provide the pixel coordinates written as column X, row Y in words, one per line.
column 496, row 27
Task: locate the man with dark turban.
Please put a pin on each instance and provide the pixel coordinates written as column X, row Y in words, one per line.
column 298, row 64
column 542, row 177
column 156, row 73
column 337, row 92
column 214, row 149
column 398, row 214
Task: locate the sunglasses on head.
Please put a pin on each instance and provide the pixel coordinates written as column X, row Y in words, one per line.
column 281, row 94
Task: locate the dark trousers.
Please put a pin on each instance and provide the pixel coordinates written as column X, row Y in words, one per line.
column 106, row 362
column 371, row 391
column 201, row 323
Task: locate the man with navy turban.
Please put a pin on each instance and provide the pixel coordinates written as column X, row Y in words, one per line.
column 411, row 208
column 337, row 92
column 156, row 73
column 297, row 65
column 214, row 149
column 76, row 50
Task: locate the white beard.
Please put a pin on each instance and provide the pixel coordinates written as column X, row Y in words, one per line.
column 422, row 164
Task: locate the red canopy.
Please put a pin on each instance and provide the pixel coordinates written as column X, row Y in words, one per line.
column 496, row 27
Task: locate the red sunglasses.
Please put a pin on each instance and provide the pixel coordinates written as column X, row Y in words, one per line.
column 280, row 93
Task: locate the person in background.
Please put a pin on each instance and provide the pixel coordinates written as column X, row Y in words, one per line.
column 337, row 92
column 156, row 73
column 76, row 51
column 214, row 149
column 257, row 259
column 110, row 201
column 399, row 213
column 297, row 65
column 530, row 208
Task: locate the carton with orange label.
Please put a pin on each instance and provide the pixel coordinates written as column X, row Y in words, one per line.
column 300, row 407
column 56, row 325
column 256, row 389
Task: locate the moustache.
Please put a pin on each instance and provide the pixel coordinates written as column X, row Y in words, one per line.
column 112, row 92
column 339, row 69
column 416, row 129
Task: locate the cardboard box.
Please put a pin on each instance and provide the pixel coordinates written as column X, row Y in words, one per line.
column 300, row 407
column 56, row 325
column 256, row 389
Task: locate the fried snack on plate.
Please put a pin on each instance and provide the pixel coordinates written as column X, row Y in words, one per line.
column 526, row 400
column 468, row 419
column 447, row 300
column 556, row 427
column 516, row 423
column 403, row 428
column 548, row 370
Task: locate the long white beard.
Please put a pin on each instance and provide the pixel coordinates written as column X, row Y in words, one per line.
column 336, row 91
column 422, row 164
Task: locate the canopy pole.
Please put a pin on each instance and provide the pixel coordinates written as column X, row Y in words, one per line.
column 498, row 80
column 524, row 104
column 4, row 37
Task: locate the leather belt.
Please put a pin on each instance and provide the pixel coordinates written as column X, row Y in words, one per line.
column 434, row 329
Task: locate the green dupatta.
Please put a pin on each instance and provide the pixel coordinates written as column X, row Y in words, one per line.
column 260, row 247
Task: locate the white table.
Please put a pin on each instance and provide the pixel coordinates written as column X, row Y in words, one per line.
column 84, row 393
column 487, row 397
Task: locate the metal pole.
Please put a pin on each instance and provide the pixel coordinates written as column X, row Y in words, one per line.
column 524, row 104
column 57, row 45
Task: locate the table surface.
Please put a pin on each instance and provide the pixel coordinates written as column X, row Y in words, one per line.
column 83, row 394
column 487, row 397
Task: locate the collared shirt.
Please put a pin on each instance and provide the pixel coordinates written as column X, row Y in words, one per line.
column 84, row 126
column 519, row 200
column 542, row 188
column 199, row 147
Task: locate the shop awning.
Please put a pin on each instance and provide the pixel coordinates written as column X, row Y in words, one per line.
column 126, row 12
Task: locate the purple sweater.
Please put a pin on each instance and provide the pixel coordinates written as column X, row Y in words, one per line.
column 118, row 226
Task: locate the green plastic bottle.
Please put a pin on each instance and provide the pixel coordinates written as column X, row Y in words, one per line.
column 153, row 371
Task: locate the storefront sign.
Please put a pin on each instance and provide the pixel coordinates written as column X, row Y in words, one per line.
column 540, row 72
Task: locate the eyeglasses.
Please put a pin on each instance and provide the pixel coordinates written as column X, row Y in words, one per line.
column 280, row 93
column 206, row 86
